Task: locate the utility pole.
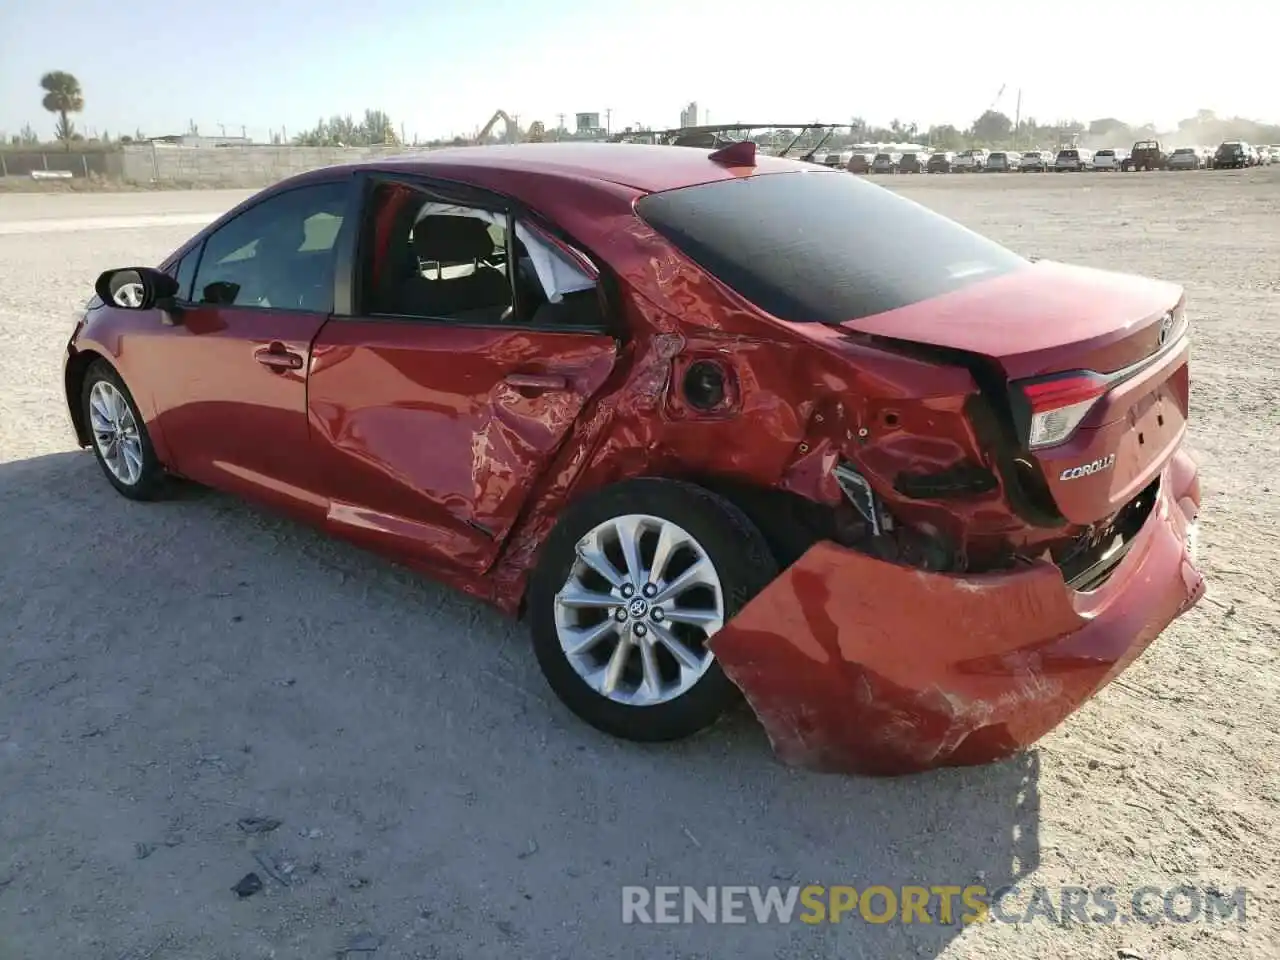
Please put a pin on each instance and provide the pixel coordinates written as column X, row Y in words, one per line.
column 560, row 126
column 608, row 120
column 1017, row 119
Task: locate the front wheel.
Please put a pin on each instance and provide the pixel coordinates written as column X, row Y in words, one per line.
column 631, row 585
column 120, row 440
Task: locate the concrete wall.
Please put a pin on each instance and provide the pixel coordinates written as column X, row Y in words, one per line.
column 234, row 166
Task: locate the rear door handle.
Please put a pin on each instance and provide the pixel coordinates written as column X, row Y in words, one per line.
column 538, row 381
column 278, row 358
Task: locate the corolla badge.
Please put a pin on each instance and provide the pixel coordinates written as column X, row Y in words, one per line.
column 1088, row 469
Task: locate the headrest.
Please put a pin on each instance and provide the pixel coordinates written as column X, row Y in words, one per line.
column 448, row 239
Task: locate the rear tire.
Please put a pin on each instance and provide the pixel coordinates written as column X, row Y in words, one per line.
column 118, row 434
column 608, row 656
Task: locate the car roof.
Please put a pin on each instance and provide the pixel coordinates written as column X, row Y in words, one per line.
column 643, row 167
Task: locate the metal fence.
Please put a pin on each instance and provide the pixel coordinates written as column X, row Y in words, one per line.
column 14, row 163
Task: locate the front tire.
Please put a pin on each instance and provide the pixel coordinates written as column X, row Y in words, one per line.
column 119, row 435
column 630, row 585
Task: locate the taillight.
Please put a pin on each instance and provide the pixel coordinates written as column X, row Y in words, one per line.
column 1057, row 406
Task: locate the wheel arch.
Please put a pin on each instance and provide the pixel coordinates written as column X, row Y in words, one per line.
column 73, row 374
column 789, row 522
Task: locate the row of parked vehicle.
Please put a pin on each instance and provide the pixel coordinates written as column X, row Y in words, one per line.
column 1144, row 155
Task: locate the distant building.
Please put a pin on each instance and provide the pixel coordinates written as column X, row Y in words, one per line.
column 689, row 115
column 588, row 123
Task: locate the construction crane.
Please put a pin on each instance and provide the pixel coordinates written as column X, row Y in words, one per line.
column 513, row 131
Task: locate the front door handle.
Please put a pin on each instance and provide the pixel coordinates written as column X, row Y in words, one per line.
column 278, row 358
column 538, row 381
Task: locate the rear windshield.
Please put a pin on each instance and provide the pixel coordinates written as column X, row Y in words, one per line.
column 996, row 156
column 1146, row 145
column 1185, row 150
column 883, row 156
column 822, row 247
column 1106, row 153
column 1031, row 155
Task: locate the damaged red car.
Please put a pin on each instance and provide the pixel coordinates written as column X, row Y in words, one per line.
column 715, row 424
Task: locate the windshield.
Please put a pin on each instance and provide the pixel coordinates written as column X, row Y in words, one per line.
column 821, row 246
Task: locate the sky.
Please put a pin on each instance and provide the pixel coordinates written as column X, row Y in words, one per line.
column 442, row 68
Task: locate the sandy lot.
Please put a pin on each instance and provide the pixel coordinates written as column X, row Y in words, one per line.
column 168, row 669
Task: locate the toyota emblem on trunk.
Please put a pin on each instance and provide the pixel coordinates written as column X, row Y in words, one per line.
column 1166, row 328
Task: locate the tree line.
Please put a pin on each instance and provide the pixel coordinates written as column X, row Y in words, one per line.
column 63, row 97
column 995, row 129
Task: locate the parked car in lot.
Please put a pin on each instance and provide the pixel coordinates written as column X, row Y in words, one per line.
column 1073, row 159
column 1037, row 161
column 886, row 163
column 1186, row 158
column 940, row 162
column 860, row 162
column 911, row 162
column 1146, row 155
column 1234, row 154
column 1110, row 159
column 1002, row 162
column 832, row 157
column 970, row 161
column 517, row 369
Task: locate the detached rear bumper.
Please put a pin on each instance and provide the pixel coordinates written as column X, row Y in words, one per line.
column 861, row 666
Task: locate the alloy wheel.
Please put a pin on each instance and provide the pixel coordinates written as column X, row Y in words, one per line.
column 115, row 432
column 640, row 603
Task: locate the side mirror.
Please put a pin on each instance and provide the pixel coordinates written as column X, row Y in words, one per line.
column 136, row 288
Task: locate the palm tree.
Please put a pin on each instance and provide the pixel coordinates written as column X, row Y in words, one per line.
column 63, row 96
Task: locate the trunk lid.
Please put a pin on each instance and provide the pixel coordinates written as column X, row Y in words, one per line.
column 1063, row 335
column 1043, row 319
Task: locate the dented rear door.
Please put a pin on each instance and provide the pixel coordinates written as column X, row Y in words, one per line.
column 430, row 436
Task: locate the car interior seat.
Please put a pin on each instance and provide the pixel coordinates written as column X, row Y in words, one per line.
column 452, row 242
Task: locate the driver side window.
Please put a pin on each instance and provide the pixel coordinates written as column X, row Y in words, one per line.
column 278, row 254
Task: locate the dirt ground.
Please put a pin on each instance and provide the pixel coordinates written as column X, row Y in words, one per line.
column 168, row 669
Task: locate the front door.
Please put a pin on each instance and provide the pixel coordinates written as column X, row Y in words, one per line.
column 440, row 403
column 237, row 416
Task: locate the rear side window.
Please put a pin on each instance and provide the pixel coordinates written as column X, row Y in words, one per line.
column 822, row 247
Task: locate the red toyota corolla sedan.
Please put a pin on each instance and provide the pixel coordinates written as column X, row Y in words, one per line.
column 713, row 423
